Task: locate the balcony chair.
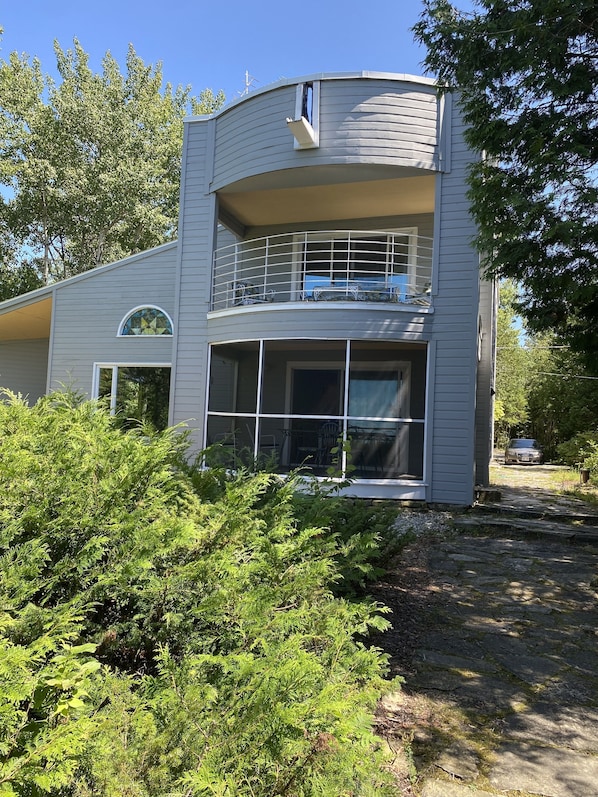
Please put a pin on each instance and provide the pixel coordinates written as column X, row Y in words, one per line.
column 421, row 298
column 268, row 445
column 245, row 292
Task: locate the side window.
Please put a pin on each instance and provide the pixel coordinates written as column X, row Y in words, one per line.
column 135, row 394
column 148, row 320
column 305, row 125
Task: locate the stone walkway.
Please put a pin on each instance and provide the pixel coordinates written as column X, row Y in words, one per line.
column 508, row 658
column 531, row 508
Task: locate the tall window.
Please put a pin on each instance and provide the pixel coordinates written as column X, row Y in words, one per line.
column 136, row 394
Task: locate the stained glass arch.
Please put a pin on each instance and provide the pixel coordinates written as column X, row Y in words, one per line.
column 146, row 320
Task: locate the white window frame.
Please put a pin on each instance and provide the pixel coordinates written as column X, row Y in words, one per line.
column 125, row 318
column 98, row 366
column 313, row 114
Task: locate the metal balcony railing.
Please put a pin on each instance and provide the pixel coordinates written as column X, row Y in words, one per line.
column 324, row 266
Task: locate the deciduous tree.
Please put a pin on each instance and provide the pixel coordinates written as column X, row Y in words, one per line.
column 527, row 73
column 563, row 400
column 90, row 163
column 512, row 369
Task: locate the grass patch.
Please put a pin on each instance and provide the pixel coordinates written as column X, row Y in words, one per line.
column 560, row 480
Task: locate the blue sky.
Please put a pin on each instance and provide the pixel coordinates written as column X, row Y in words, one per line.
column 213, row 44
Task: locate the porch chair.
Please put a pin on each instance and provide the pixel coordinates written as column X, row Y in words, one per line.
column 328, row 436
column 268, row 444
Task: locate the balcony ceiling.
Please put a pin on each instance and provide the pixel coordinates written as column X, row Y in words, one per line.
column 28, row 322
column 256, row 205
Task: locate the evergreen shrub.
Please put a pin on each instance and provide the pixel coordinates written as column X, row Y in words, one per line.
column 578, row 448
column 170, row 631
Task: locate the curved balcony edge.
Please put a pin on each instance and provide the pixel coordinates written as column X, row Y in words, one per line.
column 393, row 268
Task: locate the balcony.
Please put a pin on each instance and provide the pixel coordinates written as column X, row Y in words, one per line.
column 322, row 267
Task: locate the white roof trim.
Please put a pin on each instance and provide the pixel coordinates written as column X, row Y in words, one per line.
column 42, row 293
column 396, row 77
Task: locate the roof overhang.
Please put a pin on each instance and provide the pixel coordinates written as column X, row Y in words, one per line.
column 265, row 202
column 26, row 320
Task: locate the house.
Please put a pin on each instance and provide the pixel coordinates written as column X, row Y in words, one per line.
column 322, row 305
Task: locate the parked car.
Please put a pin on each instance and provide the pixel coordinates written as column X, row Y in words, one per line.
column 523, row 451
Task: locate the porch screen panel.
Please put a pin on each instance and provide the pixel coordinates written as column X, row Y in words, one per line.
column 317, row 391
column 230, row 441
column 385, row 440
column 375, row 393
column 231, row 422
column 283, row 389
column 416, row 450
column 377, row 449
column 233, row 377
column 316, row 405
column 223, row 383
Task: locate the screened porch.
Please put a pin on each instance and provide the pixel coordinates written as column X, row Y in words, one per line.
column 349, row 409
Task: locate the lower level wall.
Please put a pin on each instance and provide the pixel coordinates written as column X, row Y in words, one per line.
column 24, row 367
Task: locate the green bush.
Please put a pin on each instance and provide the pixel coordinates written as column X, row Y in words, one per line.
column 574, row 451
column 363, row 530
column 591, row 460
column 167, row 630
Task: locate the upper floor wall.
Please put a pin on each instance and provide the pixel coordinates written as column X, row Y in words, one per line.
column 360, row 119
column 379, row 141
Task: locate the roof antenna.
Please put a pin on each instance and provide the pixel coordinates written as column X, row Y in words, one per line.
column 249, row 83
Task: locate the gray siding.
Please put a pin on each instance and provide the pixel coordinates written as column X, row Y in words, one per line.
column 452, row 416
column 379, row 122
column 359, row 323
column 253, row 138
column 197, row 232
column 24, row 367
column 361, row 121
column 88, row 312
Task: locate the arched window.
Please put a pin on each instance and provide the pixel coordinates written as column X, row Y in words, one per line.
column 147, row 320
